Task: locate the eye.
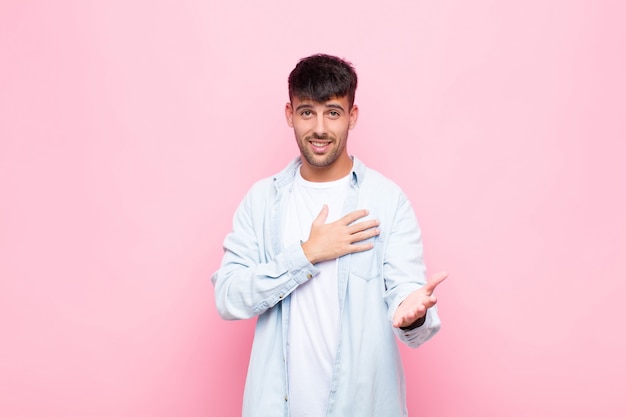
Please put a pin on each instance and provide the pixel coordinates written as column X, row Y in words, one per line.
column 306, row 113
column 334, row 114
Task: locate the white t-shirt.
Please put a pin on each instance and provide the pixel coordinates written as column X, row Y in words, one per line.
column 314, row 315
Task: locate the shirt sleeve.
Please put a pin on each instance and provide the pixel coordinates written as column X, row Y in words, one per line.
column 247, row 284
column 404, row 272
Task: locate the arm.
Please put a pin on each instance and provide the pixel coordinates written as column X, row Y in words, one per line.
column 412, row 309
column 247, row 283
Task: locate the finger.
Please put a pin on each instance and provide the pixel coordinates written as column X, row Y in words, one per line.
column 361, row 226
column 430, row 301
column 435, row 280
column 322, row 216
column 409, row 317
column 361, row 247
column 361, row 236
column 402, row 321
column 402, row 318
column 355, row 215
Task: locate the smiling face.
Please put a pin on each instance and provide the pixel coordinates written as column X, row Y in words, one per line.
column 321, row 131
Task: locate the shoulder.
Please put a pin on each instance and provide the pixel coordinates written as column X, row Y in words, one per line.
column 265, row 188
column 262, row 186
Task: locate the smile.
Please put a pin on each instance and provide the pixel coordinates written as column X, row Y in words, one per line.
column 320, row 147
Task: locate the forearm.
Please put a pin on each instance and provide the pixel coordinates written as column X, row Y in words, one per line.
column 244, row 289
column 405, row 273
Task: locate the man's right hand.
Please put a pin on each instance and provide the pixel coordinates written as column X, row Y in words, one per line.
column 332, row 240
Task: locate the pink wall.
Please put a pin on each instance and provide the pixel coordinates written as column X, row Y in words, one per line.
column 129, row 131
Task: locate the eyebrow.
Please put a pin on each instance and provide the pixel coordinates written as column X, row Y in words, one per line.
column 334, row 106
column 310, row 106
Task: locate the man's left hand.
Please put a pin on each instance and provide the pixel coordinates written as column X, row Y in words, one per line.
column 415, row 304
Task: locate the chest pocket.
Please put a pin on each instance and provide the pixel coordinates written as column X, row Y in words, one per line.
column 367, row 265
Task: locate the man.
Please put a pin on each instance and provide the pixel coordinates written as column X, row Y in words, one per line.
column 328, row 255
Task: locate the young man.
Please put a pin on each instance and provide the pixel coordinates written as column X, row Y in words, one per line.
column 328, row 255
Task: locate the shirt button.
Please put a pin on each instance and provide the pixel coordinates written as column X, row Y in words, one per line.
column 309, row 276
column 281, row 296
column 286, row 399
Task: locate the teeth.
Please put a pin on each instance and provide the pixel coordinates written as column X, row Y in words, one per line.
column 319, row 144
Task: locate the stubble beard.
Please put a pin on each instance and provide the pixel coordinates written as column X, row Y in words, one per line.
column 313, row 159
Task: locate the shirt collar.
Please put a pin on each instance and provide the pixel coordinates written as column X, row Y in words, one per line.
column 287, row 175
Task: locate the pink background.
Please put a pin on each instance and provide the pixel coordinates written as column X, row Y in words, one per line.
column 130, row 130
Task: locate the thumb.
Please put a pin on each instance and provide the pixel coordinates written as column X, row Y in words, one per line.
column 322, row 216
column 435, row 280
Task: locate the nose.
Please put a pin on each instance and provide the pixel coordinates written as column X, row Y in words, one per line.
column 320, row 126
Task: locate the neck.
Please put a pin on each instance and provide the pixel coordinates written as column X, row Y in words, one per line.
column 337, row 170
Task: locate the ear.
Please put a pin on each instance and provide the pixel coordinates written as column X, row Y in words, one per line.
column 354, row 115
column 289, row 113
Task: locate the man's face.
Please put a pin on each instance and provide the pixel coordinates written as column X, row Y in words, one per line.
column 321, row 131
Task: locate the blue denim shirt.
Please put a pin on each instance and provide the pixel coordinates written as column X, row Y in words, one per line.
column 258, row 274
